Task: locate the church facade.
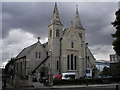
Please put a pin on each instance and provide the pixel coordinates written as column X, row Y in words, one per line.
column 66, row 51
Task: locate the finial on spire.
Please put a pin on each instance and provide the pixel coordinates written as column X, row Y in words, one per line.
column 76, row 7
column 55, row 19
column 55, row 3
column 55, row 8
column 77, row 23
column 38, row 39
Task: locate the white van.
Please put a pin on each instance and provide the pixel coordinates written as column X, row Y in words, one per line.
column 89, row 73
column 67, row 76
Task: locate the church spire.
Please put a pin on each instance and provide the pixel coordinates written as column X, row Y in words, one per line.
column 77, row 23
column 55, row 18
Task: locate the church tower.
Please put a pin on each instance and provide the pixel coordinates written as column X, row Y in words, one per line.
column 55, row 33
column 73, row 47
column 81, row 31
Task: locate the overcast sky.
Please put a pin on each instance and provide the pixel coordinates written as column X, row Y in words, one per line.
column 23, row 22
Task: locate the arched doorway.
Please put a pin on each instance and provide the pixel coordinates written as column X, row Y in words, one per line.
column 43, row 72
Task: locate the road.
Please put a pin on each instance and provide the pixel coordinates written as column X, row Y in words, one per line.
column 40, row 86
column 81, row 88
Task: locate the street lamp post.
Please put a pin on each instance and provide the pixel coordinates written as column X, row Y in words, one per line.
column 60, row 56
column 86, row 45
column 50, row 70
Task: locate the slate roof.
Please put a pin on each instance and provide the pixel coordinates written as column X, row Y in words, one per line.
column 25, row 51
column 45, row 44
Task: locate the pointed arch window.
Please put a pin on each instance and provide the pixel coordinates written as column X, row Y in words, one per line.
column 38, row 55
column 75, row 61
column 57, row 65
column 71, row 61
column 80, row 34
column 72, row 45
column 57, row 33
column 50, row 33
column 68, row 62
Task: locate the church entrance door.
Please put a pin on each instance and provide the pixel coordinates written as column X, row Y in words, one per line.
column 42, row 74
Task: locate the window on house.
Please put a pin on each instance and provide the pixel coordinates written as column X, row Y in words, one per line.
column 57, row 33
column 68, row 61
column 72, row 45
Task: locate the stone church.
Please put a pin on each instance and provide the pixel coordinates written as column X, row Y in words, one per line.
column 65, row 51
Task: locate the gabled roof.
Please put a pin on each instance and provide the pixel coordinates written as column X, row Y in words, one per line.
column 44, row 44
column 26, row 50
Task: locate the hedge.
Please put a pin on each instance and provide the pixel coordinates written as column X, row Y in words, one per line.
column 89, row 81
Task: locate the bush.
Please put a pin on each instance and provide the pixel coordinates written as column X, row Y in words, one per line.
column 90, row 81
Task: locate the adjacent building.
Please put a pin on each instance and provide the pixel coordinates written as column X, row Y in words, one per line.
column 114, row 58
column 100, row 64
column 115, row 65
column 65, row 52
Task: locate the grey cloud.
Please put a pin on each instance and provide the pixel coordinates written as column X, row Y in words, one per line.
column 35, row 18
column 32, row 17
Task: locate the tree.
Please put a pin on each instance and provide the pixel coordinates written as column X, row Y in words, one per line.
column 116, row 35
column 9, row 68
column 118, row 68
column 106, row 71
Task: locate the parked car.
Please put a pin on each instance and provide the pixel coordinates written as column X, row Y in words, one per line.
column 67, row 76
column 34, row 79
column 43, row 79
column 104, row 76
column 83, row 77
column 56, row 77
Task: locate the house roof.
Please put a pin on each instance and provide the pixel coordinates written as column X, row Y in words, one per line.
column 26, row 50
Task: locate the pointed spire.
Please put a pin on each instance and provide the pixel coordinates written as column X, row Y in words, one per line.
column 55, row 18
column 77, row 23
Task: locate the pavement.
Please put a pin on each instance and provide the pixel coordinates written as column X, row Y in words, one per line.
column 40, row 85
column 94, row 85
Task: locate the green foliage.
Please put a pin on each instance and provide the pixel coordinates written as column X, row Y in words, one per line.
column 116, row 35
column 90, row 81
column 118, row 67
column 106, row 71
column 8, row 69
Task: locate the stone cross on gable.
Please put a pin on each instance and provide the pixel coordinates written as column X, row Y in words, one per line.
column 38, row 38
